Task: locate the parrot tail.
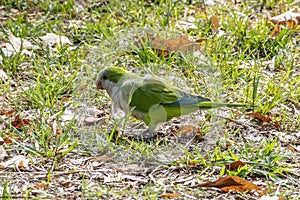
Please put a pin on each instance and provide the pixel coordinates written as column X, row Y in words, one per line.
column 209, row 104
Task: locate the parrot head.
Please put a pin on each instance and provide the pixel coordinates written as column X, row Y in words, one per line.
column 108, row 76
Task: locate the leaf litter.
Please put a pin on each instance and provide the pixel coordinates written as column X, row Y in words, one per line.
column 117, row 173
column 115, row 170
column 231, row 183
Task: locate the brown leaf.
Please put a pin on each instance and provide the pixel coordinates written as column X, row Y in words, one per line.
column 275, row 31
column 163, row 53
column 277, row 125
column 16, row 161
column 266, row 118
column 41, row 185
column 170, row 195
column 7, row 113
column 230, row 183
column 215, row 23
column 65, row 98
column 66, row 184
column 235, row 165
column 165, row 47
column 7, row 140
column 290, row 18
column 260, row 117
column 187, row 129
column 19, row 123
column 200, row 40
column 20, row 165
column 292, row 23
column 179, row 43
column 228, row 144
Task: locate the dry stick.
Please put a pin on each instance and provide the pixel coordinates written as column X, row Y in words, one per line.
column 189, row 142
column 54, row 173
column 237, row 122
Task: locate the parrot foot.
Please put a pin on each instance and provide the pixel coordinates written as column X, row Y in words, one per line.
column 146, row 136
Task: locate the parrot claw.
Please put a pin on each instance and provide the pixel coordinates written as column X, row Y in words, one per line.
column 146, row 136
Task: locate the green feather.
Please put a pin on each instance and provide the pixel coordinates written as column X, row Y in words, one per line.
column 153, row 100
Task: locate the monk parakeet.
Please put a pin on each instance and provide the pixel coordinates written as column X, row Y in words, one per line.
column 150, row 99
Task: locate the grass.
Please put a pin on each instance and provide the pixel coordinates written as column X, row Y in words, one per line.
column 245, row 64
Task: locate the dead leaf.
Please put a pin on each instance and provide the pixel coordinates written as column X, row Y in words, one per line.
column 292, row 24
column 65, row 99
column 228, row 144
column 3, row 75
column 66, row 184
column 180, row 43
column 170, row 195
column 230, row 183
column 90, row 120
column 7, row 140
column 20, row 42
column 19, row 123
column 260, row 117
column 188, row 129
column 7, row 113
column 275, row 31
column 277, row 125
column 41, row 185
column 52, row 39
column 166, row 47
column 215, row 23
column 265, row 118
column 21, row 165
column 290, row 18
column 267, row 197
column 235, row 165
column 209, row 2
column 201, row 40
column 16, row 45
column 3, row 154
column 17, row 161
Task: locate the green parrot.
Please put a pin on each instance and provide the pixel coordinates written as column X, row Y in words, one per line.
column 149, row 98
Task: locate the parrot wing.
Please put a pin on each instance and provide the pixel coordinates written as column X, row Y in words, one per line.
column 153, row 92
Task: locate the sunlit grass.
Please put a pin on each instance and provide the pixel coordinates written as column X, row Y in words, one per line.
column 245, row 64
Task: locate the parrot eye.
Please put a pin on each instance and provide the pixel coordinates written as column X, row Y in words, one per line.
column 104, row 77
